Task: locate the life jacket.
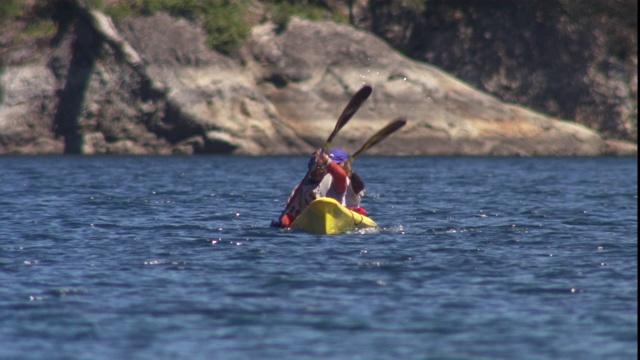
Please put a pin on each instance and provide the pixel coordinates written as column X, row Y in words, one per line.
column 310, row 190
column 351, row 198
column 300, row 197
column 348, row 198
column 327, row 189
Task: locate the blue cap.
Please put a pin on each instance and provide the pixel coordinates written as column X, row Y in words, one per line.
column 338, row 155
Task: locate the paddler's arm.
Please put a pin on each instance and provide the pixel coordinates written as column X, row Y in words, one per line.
column 339, row 177
column 357, row 183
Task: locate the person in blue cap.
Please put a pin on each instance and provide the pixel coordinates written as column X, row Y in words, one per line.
column 355, row 186
column 330, row 176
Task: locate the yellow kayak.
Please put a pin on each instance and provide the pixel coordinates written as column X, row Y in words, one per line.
column 327, row 216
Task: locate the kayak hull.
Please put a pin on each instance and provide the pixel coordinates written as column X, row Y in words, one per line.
column 327, row 217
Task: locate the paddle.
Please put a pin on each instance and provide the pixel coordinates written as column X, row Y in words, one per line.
column 379, row 136
column 348, row 112
column 354, row 104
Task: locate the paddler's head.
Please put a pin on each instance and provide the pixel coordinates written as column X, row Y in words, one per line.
column 338, row 156
column 341, row 158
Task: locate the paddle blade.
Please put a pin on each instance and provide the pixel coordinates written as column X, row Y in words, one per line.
column 379, row 136
column 354, row 104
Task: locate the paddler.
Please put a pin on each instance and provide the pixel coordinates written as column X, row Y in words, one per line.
column 330, row 176
column 355, row 185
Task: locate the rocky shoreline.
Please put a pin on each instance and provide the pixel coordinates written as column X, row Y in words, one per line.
column 149, row 85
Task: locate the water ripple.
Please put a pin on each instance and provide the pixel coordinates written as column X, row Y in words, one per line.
column 140, row 257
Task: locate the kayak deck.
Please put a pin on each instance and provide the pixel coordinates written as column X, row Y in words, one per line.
column 327, row 216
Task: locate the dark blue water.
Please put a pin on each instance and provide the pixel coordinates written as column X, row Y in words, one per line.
column 172, row 257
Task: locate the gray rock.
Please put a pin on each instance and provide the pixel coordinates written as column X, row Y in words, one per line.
column 310, row 70
column 282, row 95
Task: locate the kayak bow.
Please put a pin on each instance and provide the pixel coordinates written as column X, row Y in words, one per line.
column 327, row 217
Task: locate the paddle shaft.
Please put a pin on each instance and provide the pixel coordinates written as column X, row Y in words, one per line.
column 348, row 112
column 354, row 104
column 382, row 134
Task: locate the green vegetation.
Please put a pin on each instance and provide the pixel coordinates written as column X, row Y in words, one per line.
column 40, row 29
column 226, row 27
column 227, row 22
column 29, row 21
column 10, row 9
column 224, row 20
column 280, row 12
column 183, row 8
